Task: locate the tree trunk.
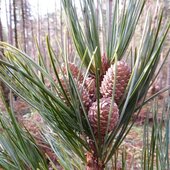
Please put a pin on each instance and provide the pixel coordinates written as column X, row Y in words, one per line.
column 56, row 20
column 48, row 24
column 168, row 82
column 33, row 40
column 4, row 89
column 61, row 25
column 23, row 24
column 38, row 23
column 168, row 79
column 15, row 24
column 10, row 24
column 7, row 20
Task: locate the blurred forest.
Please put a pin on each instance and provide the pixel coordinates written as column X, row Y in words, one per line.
column 24, row 23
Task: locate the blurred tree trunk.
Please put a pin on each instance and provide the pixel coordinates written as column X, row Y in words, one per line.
column 15, row 24
column 168, row 82
column 7, row 21
column 10, row 23
column 56, row 21
column 167, row 14
column 49, row 36
column 23, row 23
column 38, row 23
column 48, row 24
column 28, row 26
column 167, row 7
column 110, row 12
column 169, row 75
column 61, row 25
column 56, row 25
column 32, row 39
column 3, row 87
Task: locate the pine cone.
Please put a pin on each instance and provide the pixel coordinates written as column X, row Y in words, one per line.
column 105, row 104
column 90, row 85
column 75, row 71
column 122, row 78
column 82, row 90
column 85, row 96
column 64, row 83
column 105, row 64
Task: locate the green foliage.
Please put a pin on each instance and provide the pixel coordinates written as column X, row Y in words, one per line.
column 17, row 147
column 118, row 26
column 156, row 139
column 65, row 155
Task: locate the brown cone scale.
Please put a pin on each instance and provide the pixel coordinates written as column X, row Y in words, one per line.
column 105, row 63
column 75, row 71
column 122, row 78
column 90, row 84
column 105, row 104
column 82, row 90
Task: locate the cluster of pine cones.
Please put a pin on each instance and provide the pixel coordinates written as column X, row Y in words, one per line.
column 88, row 93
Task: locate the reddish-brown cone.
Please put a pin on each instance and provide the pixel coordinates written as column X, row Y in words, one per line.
column 90, row 84
column 82, row 90
column 75, row 71
column 122, row 78
column 85, row 96
column 105, row 63
column 105, row 104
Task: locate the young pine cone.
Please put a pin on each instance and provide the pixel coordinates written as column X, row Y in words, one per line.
column 122, row 78
column 90, row 84
column 105, row 63
column 75, row 72
column 105, row 104
column 82, row 90
column 85, row 96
